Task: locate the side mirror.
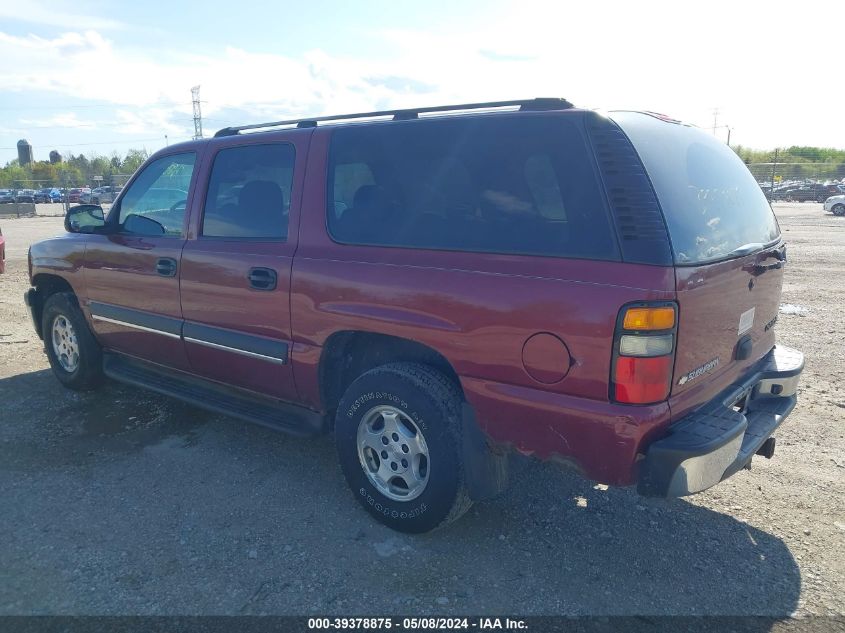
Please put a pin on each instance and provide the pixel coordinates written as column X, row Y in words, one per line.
column 143, row 225
column 85, row 218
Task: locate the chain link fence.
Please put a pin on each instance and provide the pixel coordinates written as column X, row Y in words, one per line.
column 798, row 174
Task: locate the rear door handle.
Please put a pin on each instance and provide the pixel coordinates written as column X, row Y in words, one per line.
column 166, row 267
column 263, row 278
column 759, row 268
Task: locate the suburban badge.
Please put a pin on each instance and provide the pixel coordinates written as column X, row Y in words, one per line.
column 695, row 373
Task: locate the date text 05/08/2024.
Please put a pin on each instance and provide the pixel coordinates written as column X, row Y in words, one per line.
column 414, row 624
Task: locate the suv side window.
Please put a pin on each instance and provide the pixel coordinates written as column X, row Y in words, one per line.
column 545, row 189
column 522, row 185
column 249, row 192
column 348, row 178
column 156, row 200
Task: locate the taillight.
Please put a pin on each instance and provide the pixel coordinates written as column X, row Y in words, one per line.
column 644, row 353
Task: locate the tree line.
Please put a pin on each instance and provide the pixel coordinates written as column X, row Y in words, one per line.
column 73, row 171
column 797, row 162
column 794, row 163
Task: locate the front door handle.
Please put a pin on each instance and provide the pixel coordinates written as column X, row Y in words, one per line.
column 166, row 267
column 263, row 278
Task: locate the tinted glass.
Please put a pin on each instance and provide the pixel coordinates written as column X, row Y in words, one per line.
column 711, row 202
column 497, row 184
column 249, row 192
column 155, row 202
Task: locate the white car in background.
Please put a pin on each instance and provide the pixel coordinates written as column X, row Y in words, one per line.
column 103, row 195
column 835, row 204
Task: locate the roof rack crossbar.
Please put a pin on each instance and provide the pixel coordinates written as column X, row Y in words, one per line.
column 405, row 114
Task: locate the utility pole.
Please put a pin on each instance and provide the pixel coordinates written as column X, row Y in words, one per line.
column 774, row 166
column 195, row 94
column 715, row 120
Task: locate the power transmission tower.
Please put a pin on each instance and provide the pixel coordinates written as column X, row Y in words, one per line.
column 195, row 93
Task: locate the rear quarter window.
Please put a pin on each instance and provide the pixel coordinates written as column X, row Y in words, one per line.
column 711, row 202
column 501, row 184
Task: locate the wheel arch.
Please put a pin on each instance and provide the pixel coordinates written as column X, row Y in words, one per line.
column 349, row 353
column 45, row 285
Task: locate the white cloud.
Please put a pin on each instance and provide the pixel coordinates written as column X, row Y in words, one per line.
column 146, row 120
column 609, row 55
column 34, row 12
column 66, row 120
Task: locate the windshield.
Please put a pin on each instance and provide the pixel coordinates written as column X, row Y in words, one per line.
column 711, row 202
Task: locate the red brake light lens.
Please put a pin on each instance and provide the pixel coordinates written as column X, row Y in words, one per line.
column 644, row 353
column 641, row 380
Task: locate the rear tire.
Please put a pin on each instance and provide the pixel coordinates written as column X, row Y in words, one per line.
column 75, row 356
column 839, row 209
column 398, row 438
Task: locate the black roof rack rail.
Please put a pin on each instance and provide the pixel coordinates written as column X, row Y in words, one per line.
column 539, row 104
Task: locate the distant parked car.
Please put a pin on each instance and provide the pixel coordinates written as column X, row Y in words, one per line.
column 85, row 196
column 825, row 191
column 75, row 194
column 48, row 194
column 780, row 192
column 836, row 204
column 800, row 194
column 103, row 195
column 814, row 192
column 25, row 195
column 805, row 193
column 7, row 196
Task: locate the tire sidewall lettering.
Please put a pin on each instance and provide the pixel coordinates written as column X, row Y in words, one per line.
column 376, row 395
column 389, row 398
column 382, row 508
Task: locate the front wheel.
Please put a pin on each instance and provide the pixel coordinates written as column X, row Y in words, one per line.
column 839, row 209
column 74, row 354
column 398, row 437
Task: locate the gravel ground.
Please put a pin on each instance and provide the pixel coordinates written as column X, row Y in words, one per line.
column 120, row 502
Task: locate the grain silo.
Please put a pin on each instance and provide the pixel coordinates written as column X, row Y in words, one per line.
column 24, row 152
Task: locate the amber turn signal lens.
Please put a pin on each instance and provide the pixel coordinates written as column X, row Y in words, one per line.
column 649, row 318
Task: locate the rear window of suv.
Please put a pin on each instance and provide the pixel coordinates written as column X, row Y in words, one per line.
column 711, row 202
column 506, row 184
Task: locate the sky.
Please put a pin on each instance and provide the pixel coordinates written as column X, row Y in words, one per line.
column 103, row 76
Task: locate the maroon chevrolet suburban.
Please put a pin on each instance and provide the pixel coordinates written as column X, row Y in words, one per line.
column 441, row 287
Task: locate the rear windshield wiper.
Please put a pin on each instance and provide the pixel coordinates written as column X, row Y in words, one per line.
column 746, row 249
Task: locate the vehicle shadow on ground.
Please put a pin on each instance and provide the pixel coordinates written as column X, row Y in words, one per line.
column 156, row 495
column 621, row 553
column 113, row 418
